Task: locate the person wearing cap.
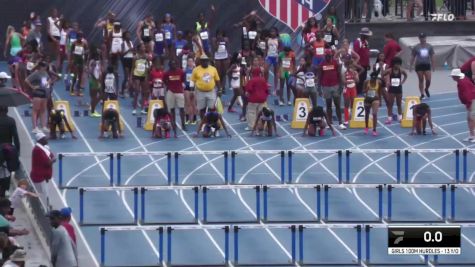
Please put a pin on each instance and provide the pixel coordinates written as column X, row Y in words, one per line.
column 421, row 114
column 40, row 82
column 205, row 78
column 17, row 259
column 468, row 68
column 42, row 159
column 361, row 47
column 257, row 92
column 66, row 223
column 423, row 57
column 466, row 93
column 63, row 249
column 330, row 81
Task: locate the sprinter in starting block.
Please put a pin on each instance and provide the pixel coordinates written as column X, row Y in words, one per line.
column 265, row 120
column 211, row 124
column 421, row 114
column 110, row 121
column 317, row 120
column 57, row 121
column 163, row 124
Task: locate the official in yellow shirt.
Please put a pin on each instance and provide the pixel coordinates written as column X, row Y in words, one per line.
column 205, row 78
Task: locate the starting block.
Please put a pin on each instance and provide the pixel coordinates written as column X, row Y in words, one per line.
column 64, row 106
column 283, row 117
column 26, row 113
column 153, row 105
column 301, row 110
column 113, row 104
column 407, row 117
column 358, row 115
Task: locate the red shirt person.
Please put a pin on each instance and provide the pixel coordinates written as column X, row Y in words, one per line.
column 391, row 48
column 466, row 93
column 257, row 91
column 361, row 47
column 66, row 219
column 330, row 80
column 468, row 68
column 42, row 160
column 175, row 79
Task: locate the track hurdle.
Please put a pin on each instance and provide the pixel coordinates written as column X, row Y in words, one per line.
column 234, row 154
column 62, row 156
column 83, row 190
column 326, row 189
column 453, row 202
column 161, row 155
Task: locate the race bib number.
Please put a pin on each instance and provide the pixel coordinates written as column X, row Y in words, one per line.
column 178, row 51
column 244, row 31
column 328, row 67
column 157, row 83
column 371, row 93
column 317, row 119
column 395, row 82
column 109, row 82
column 78, row 50
column 159, row 37
column 252, row 35
column 141, row 67
column 204, row 35
column 351, row 85
column 188, row 77
column 221, row 48
column 262, row 45
column 30, row 65
column 146, row 32
column 272, row 49
column 319, row 51
column 168, row 35
column 309, row 82
column 328, row 38
column 286, row 63
column 424, row 52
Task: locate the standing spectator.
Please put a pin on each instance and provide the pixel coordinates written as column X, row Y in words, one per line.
column 413, row 6
column 65, row 222
column 468, row 68
column 8, row 135
column 63, row 250
column 391, row 48
column 257, row 91
column 466, row 92
column 330, row 81
column 361, row 47
column 42, row 160
column 40, row 82
column 205, row 78
column 423, row 56
column 174, row 79
column 365, row 9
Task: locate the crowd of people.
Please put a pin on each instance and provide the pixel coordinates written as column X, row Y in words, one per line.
column 419, row 10
column 190, row 70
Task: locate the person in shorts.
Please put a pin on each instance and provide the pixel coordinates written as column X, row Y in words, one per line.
column 317, row 119
column 174, row 79
column 110, row 121
column 421, row 115
column 287, row 66
column 423, row 57
column 163, row 123
column 273, row 46
column 57, row 121
column 373, row 93
column 205, row 78
column 397, row 77
column 95, row 81
column 265, row 120
column 330, row 81
column 110, row 84
column 211, row 123
column 190, row 98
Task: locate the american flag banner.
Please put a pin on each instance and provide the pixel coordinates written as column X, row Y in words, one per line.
column 294, row 12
